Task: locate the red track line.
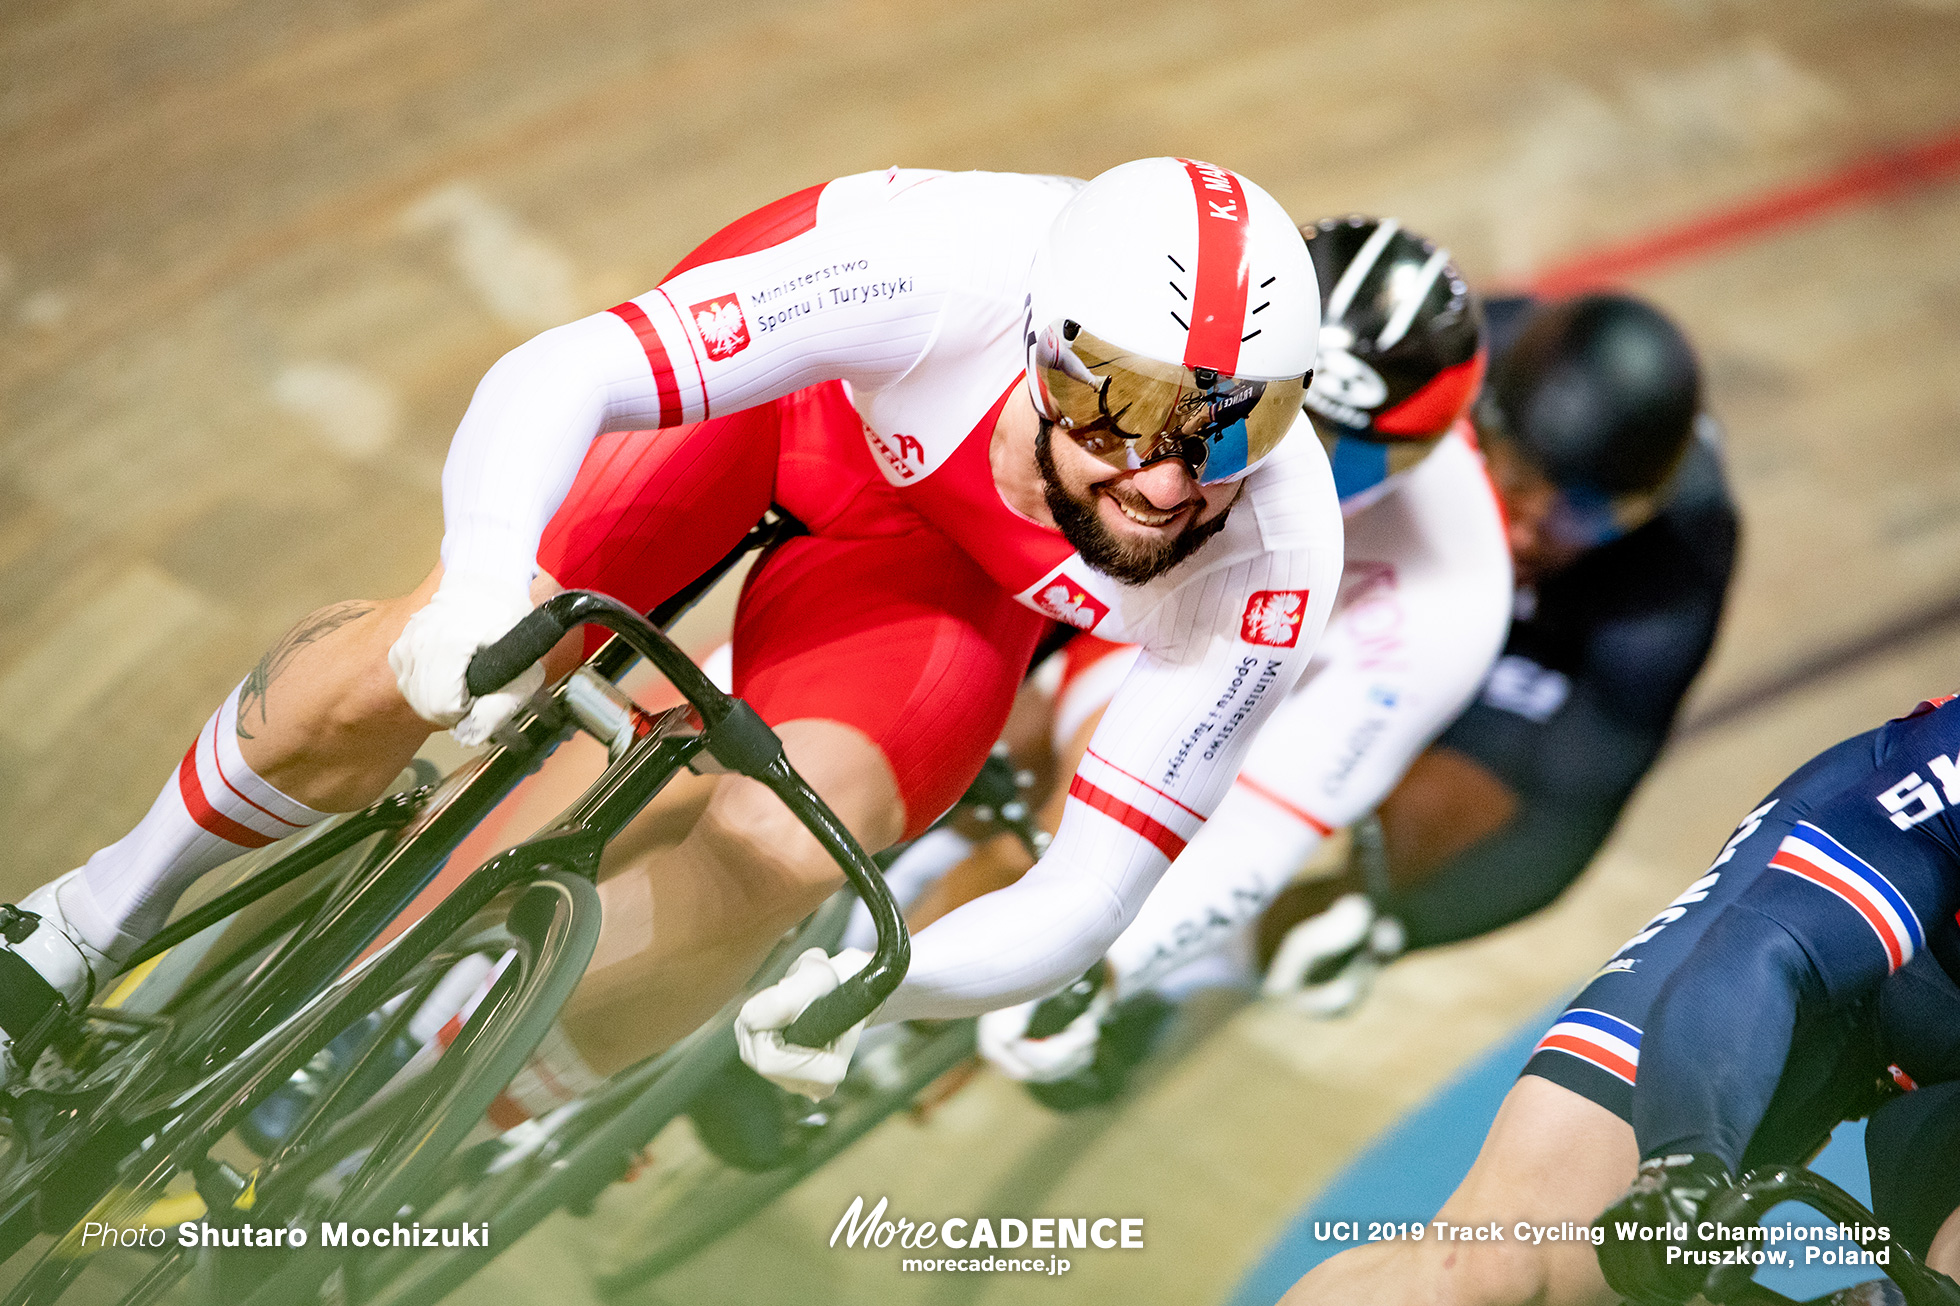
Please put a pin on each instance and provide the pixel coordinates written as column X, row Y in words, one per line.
column 1876, row 176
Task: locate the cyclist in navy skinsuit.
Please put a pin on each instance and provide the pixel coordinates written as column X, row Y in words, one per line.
column 1801, row 980
column 1763, row 1012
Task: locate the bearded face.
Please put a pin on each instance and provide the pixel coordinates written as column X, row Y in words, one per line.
column 1136, row 559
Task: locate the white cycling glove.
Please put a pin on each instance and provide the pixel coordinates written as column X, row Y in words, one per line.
column 437, row 644
column 1004, row 1041
column 813, row 1072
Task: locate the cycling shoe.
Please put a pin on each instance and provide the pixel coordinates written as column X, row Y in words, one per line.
column 47, row 973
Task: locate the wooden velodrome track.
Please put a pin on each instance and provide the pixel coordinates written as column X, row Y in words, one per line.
column 254, row 255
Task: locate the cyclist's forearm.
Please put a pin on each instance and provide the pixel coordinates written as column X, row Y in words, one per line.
column 1162, row 758
column 1017, row 943
column 1227, row 875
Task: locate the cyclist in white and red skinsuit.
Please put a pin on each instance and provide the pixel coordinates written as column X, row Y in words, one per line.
column 885, row 645
column 1423, row 605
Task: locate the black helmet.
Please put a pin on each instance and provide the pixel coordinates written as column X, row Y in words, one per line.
column 1401, row 333
column 1600, row 392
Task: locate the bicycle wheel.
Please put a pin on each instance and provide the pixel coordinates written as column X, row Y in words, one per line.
column 690, row 1208
column 55, row 1158
column 590, row 1149
column 358, row 1157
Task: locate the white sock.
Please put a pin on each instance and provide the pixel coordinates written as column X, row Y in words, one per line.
column 212, row 810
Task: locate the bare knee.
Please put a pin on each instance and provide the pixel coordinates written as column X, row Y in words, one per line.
column 1944, row 1254
column 1552, row 1158
column 367, row 693
column 1492, row 1274
column 764, row 850
column 320, row 717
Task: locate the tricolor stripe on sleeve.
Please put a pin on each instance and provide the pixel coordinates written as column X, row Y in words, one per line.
column 1596, row 1038
column 1153, row 815
column 1810, row 854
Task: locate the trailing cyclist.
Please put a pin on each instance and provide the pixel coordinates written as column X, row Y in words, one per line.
column 1801, row 980
column 1624, row 537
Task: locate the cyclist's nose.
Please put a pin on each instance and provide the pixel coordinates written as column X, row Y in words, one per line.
column 1167, row 484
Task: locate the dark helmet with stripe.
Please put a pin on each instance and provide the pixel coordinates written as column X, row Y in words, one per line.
column 1401, row 333
column 1600, row 392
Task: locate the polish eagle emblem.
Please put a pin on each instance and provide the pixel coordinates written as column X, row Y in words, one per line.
column 1273, row 617
column 1067, row 603
column 723, row 328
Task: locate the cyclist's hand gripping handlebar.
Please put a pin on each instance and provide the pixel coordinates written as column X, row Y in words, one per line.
column 496, row 665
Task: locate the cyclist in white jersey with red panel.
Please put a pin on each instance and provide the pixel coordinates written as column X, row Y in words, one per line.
column 1423, row 605
column 1069, row 402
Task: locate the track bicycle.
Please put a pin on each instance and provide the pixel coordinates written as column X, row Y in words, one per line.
column 1765, row 1187
column 133, row 1117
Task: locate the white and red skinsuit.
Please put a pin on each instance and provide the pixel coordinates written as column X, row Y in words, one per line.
column 905, row 609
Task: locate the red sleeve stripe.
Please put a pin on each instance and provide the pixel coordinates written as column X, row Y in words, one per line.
column 692, row 352
column 1162, row 836
column 1125, row 774
column 1218, row 295
column 663, row 372
column 208, row 817
column 1293, row 810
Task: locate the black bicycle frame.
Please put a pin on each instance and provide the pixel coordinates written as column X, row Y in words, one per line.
column 734, row 736
column 1766, row 1187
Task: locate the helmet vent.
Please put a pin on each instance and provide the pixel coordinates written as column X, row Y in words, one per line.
column 1180, row 293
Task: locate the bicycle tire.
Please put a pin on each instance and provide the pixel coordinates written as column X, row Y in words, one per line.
column 600, row 1146
column 558, row 914
column 553, row 922
column 726, row 1199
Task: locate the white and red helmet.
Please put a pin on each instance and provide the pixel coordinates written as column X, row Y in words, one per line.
column 1173, row 311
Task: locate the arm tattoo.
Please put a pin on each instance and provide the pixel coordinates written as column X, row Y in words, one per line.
column 311, row 629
